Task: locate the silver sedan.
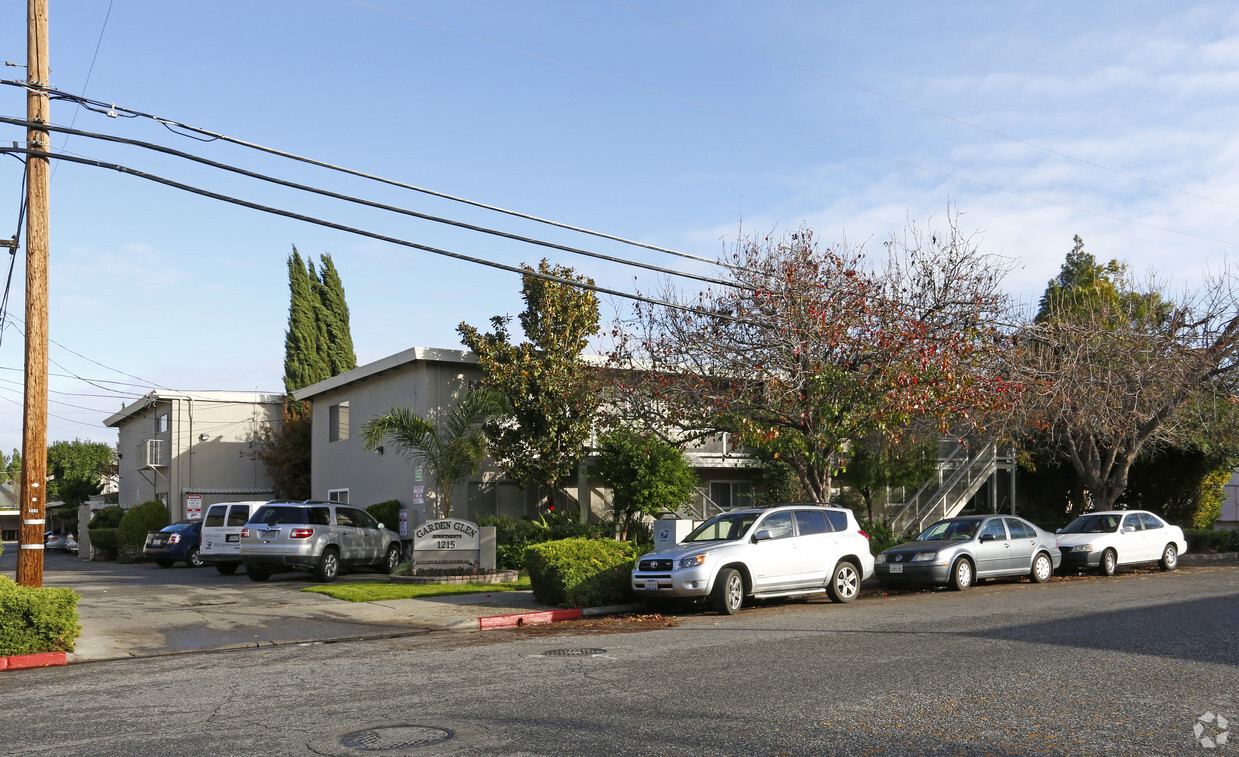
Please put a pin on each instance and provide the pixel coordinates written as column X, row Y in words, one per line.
column 960, row 551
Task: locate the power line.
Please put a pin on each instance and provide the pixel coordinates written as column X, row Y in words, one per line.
column 113, row 110
column 823, row 140
column 374, row 235
column 145, row 382
column 368, row 203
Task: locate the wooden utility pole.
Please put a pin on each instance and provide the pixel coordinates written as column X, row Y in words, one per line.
column 38, row 185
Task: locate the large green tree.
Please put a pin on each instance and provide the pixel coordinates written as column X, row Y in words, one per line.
column 549, row 392
column 317, row 345
column 73, row 467
column 647, row 476
column 452, row 445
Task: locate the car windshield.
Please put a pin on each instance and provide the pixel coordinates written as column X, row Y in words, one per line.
column 945, row 530
column 1093, row 524
column 726, row 527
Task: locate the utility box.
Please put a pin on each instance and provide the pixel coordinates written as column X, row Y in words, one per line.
column 667, row 533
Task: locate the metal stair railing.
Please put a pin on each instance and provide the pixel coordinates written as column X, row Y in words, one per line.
column 952, row 493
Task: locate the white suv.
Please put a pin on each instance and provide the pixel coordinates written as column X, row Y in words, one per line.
column 774, row 552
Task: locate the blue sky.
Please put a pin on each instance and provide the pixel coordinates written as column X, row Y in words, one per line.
column 681, row 124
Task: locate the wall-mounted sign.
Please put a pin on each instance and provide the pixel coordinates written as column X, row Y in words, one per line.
column 419, row 494
column 444, row 535
column 193, row 506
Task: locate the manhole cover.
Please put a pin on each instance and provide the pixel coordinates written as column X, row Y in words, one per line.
column 573, row 652
column 393, row 737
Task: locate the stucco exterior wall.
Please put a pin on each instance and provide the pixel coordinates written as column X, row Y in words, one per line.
column 206, row 448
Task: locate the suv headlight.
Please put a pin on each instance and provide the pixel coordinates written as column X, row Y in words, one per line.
column 925, row 556
column 692, row 562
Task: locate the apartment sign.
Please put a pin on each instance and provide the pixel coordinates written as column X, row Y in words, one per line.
column 445, row 535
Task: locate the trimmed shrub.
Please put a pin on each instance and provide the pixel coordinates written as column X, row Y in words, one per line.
column 148, row 516
column 35, row 620
column 581, row 572
column 387, row 513
column 1209, row 540
column 107, row 517
column 513, row 536
column 102, row 530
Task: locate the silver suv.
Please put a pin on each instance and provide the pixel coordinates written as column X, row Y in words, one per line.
column 321, row 537
column 775, row 552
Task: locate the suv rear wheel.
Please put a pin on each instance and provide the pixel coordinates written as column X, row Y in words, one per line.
column 844, row 583
column 328, row 565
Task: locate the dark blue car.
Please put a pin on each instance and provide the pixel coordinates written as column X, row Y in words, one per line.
column 175, row 543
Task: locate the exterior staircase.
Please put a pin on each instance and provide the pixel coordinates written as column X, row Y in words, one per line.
column 961, row 473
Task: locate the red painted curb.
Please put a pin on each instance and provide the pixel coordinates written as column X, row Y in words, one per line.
column 526, row 618
column 24, row 661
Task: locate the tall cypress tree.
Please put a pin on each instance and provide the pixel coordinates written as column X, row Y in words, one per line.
column 304, row 341
column 339, row 347
column 317, row 346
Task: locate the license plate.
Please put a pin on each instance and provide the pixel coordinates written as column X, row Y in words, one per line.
column 232, row 537
column 651, row 586
column 269, row 534
column 896, row 569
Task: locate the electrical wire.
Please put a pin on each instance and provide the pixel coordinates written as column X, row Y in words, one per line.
column 373, row 235
column 368, row 203
column 17, row 322
column 113, row 110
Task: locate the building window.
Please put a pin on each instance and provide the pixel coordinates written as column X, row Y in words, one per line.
column 339, row 422
column 339, row 496
column 727, row 494
column 162, row 423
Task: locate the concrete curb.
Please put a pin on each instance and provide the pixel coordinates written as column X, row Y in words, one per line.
column 1209, row 557
column 515, row 620
column 27, row 661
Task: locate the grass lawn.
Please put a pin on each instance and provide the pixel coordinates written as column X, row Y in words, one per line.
column 377, row 591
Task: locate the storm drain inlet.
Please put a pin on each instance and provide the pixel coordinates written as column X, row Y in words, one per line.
column 395, row 737
column 586, row 652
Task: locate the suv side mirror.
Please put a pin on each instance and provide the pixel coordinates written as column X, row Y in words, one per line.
column 763, row 535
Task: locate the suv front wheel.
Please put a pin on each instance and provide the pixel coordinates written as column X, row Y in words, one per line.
column 728, row 593
column 328, row 565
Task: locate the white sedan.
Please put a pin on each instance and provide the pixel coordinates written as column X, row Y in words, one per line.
column 1103, row 541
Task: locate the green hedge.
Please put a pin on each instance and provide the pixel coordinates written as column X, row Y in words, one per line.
column 513, row 536
column 35, row 620
column 1209, row 540
column 138, row 521
column 581, row 572
column 387, row 513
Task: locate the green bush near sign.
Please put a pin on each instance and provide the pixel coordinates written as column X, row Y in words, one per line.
column 35, row 620
column 387, row 513
column 581, row 572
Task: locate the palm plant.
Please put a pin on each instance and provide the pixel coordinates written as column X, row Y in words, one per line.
column 452, row 448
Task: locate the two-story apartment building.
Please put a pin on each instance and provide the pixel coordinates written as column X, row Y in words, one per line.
column 425, row 380
column 190, row 449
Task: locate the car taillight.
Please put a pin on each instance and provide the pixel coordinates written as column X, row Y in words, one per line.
column 174, row 539
column 861, row 531
column 245, row 532
column 301, row 533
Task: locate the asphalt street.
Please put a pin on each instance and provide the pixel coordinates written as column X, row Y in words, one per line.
column 1146, row 663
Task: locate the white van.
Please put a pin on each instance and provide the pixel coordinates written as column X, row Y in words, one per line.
column 221, row 534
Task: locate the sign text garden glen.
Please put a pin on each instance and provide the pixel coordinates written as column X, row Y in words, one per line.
column 447, row 534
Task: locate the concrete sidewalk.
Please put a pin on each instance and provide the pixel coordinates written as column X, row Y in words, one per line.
column 118, row 628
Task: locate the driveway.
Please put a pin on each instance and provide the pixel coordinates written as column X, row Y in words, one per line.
column 143, row 610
